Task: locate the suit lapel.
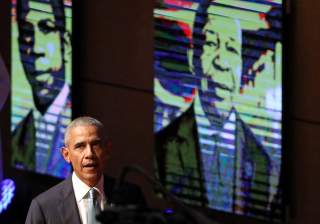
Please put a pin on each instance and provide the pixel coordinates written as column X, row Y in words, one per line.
column 23, row 143
column 68, row 208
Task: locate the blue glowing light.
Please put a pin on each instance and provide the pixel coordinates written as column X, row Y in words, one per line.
column 168, row 211
column 7, row 190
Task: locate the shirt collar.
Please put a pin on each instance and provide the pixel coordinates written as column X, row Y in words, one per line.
column 228, row 123
column 81, row 189
column 56, row 106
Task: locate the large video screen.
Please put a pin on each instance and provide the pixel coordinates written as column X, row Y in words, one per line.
column 218, row 103
column 41, row 84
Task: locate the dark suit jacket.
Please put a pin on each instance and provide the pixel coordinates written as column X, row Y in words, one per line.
column 24, row 142
column 187, row 176
column 58, row 204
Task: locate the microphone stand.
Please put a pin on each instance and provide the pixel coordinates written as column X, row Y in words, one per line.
column 188, row 214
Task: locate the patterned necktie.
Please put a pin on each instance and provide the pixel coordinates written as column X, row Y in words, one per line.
column 93, row 206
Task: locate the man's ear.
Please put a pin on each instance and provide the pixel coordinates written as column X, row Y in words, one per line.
column 67, row 56
column 108, row 147
column 107, row 153
column 67, row 45
column 190, row 60
column 65, row 154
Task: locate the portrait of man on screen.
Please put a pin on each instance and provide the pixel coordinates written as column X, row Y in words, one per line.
column 44, row 49
column 228, row 104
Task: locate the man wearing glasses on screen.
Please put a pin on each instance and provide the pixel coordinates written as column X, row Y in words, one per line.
column 235, row 165
column 236, row 157
column 45, row 53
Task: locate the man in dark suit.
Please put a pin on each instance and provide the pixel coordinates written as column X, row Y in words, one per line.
column 87, row 150
column 209, row 150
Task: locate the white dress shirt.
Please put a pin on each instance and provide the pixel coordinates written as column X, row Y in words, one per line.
column 47, row 126
column 81, row 190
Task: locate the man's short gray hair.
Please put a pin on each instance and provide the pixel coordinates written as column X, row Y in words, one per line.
column 84, row 121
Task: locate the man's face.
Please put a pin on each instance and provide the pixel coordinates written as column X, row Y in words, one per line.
column 40, row 45
column 221, row 59
column 87, row 152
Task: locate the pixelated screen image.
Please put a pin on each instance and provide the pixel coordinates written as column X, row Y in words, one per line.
column 41, row 84
column 218, row 103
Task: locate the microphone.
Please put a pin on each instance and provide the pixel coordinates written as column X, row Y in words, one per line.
column 117, row 197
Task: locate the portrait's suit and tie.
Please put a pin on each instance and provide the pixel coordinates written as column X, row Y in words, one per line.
column 4, row 91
